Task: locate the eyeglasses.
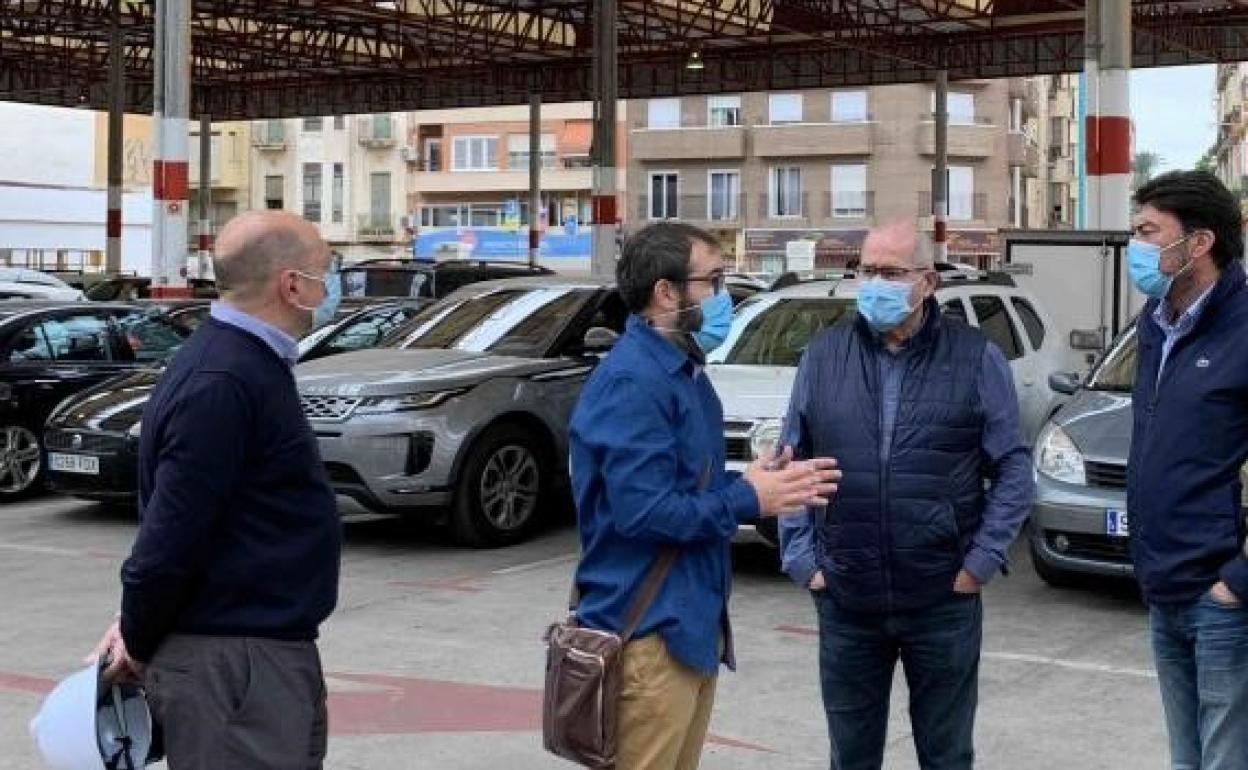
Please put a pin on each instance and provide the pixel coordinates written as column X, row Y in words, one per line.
column 887, row 273
column 716, row 280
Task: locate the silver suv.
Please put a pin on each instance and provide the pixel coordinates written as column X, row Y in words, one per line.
column 754, row 370
column 462, row 413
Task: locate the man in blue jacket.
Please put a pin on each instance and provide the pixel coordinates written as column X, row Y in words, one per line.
column 235, row 564
column 921, row 413
column 648, row 454
column 1188, row 443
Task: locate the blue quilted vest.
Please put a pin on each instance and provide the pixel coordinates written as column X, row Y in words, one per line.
column 896, row 533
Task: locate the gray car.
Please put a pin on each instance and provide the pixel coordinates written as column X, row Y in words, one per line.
column 1079, row 523
column 462, row 413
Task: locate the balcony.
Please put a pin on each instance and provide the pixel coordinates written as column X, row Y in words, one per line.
column 966, row 140
column 375, row 228
column 377, row 132
column 659, row 144
column 791, row 140
column 1022, row 151
column 1063, row 171
column 963, row 207
column 700, row 210
column 269, row 135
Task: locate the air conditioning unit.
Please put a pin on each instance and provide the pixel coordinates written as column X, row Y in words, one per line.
column 411, row 154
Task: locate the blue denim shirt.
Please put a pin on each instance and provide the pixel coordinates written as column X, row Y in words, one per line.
column 647, row 455
column 285, row 346
column 1009, row 498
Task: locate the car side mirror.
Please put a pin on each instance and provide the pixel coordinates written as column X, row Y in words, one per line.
column 599, row 339
column 1065, row 383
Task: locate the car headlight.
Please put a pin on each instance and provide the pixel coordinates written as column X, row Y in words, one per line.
column 764, row 438
column 135, row 429
column 406, row 403
column 1058, row 458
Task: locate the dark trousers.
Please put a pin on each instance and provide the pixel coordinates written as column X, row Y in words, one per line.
column 241, row 703
column 939, row 650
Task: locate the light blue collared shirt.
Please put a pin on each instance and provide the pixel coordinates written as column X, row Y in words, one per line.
column 285, row 346
column 1180, row 328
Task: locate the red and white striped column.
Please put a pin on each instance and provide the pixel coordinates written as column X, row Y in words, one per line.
column 171, row 109
column 1107, row 129
column 940, row 171
column 603, row 197
column 203, row 267
column 116, row 123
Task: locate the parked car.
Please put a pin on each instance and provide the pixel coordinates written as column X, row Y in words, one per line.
column 23, row 283
column 128, row 288
column 48, row 353
column 1079, row 522
column 462, row 413
column 187, row 313
column 754, row 369
column 434, row 280
column 362, row 327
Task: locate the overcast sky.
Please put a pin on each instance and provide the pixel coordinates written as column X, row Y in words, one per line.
column 1174, row 112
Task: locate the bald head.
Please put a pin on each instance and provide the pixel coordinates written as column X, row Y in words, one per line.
column 899, row 244
column 256, row 246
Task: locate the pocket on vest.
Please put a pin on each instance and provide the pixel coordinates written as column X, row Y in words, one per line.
column 929, row 543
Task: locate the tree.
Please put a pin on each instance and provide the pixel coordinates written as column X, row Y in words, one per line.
column 1206, row 162
column 1143, row 167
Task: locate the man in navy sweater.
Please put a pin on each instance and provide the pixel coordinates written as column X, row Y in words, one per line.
column 236, row 560
column 1188, row 443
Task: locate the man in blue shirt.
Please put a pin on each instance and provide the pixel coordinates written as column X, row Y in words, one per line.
column 235, row 564
column 648, row 454
column 920, row 410
column 1188, row 443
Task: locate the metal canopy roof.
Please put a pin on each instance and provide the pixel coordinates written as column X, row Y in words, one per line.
column 272, row 58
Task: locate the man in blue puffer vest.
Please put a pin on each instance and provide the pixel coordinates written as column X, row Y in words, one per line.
column 920, row 410
column 1189, row 440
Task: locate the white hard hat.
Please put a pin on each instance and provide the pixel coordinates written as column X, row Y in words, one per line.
column 86, row 724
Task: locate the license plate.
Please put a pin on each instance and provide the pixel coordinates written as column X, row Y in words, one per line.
column 1117, row 523
column 74, row 463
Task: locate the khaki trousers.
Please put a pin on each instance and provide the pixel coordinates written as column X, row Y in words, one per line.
column 664, row 709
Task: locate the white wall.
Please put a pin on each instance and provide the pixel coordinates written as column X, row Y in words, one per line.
column 46, row 145
column 51, row 218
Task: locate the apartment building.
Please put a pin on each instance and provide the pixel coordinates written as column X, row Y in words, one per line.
column 468, row 182
column 762, row 170
column 1055, row 196
column 1231, row 145
column 345, row 173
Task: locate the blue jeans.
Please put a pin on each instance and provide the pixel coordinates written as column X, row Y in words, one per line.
column 939, row 651
column 1201, row 650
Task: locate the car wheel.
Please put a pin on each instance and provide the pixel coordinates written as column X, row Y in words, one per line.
column 500, row 489
column 21, row 462
column 1054, row 577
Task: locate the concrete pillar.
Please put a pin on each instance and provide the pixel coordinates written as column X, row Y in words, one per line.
column 171, row 59
column 1107, row 128
column 604, row 200
column 940, row 173
column 204, row 239
column 116, row 123
column 535, row 175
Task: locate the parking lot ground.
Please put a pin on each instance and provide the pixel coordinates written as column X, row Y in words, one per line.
column 434, row 657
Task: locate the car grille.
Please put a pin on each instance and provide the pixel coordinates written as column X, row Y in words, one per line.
column 1110, row 475
column 329, row 407
column 92, row 443
column 1092, row 547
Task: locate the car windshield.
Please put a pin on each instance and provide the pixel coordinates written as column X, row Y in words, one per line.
column 386, row 281
column 774, row 331
column 518, row 321
column 1116, row 371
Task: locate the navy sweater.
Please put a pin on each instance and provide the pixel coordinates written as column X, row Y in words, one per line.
column 239, row 532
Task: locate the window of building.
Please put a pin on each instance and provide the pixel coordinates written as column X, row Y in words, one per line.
column 274, row 192
column 518, row 151
column 849, row 106
column 724, row 111
column 337, row 194
column 961, row 192
column 725, row 192
column 382, row 126
column 849, row 190
column 786, row 191
column 664, row 187
column 440, row 216
column 475, row 153
column 379, row 198
column 433, row 155
column 313, row 124
column 663, row 113
column 312, row 192
column 784, row 108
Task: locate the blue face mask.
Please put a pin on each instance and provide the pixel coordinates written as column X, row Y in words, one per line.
column 1144, row 266
column 324, row 312
column 716, row 321
column 884, row 304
